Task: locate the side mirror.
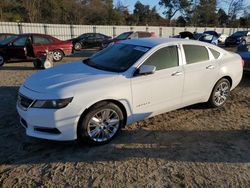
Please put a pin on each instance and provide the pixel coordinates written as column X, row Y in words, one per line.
column 10, row 44
column 145, row 70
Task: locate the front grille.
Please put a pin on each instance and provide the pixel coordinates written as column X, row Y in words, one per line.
column 24, row 101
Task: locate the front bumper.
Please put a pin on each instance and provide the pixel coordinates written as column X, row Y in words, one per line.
column 38, row 120
column 51, row 124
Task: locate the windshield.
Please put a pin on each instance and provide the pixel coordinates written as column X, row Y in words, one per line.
column 8, row 40
column 239, row 34
column 123, row 36
column 116, row 58
column 206, row 37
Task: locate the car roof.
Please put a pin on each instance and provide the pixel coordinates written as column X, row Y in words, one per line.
column 152, row 42
column 38, row 34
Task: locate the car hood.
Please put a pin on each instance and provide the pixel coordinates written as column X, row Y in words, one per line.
column 68, row 77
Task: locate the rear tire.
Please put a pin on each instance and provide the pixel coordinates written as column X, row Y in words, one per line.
column 2, row 60
column 57, row 55
column 220, row 93
column 100, row 124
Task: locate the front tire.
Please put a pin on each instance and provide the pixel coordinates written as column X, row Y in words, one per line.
column 100, row 124
column 220, row 93
column 2, row 60
column 57, row 55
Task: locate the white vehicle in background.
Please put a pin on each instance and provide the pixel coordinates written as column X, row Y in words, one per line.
column 222, row 38
column 127, row 82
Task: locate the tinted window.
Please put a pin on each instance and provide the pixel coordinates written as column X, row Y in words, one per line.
column 195, row 53
column 215, row 53
column 99, row 36
column 123, row 36
column 8, row 40
column 164, row 58
column 240, row 34
column 40, row 40
column 117, row 58
column 21, row 41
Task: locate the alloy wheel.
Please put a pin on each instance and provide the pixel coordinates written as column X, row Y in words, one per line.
column 103, row 125
column 221, row 93
column 57, row 55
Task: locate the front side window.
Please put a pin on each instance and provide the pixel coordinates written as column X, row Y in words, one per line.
column 164, row 58
column 40, row 40
column 195, row 53
column 21, row 41
column 117, row 58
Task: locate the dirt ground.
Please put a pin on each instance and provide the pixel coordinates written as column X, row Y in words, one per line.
column 191, row 147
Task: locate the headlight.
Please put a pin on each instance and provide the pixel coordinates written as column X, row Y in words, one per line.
column 52, row 104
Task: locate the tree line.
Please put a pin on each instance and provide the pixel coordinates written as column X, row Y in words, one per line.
column 198, row 13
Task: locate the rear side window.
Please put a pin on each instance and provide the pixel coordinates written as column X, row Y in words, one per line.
column 40, row 40
column 195, row 53
column 164, row 58
column 215, row 53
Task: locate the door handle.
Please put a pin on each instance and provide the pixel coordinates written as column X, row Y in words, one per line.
column 210, row 67
column 177, row 73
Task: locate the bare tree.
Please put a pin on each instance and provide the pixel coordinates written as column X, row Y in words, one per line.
column 33, row 9
column 235, row 8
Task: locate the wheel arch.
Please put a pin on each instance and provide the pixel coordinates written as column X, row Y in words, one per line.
column 103, row 102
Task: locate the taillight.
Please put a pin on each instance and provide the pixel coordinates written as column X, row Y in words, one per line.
column 242, row 62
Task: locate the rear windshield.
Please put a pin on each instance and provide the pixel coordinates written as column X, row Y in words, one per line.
column 239, row 34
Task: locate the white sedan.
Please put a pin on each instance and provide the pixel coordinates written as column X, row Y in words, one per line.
column 91, row 100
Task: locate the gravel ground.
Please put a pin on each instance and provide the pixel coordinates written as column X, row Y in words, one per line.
column 191, row 147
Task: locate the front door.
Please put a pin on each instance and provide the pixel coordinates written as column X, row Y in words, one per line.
column 17, row 50
column 162, row 91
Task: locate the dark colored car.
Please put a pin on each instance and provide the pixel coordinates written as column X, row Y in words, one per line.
column 244, row 52
column 31, row 45
column 210, row 37
column 185, row 35
column 89, row 40
column 6, row 35
column 129, row 35
column 236, row 38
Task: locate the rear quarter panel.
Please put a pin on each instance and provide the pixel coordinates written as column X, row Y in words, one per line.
column 230, row 65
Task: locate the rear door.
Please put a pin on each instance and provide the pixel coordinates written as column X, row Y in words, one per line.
column 90, row 41
column 40, row 44
column 17, row 49
column 201, row 73
column 99, row 39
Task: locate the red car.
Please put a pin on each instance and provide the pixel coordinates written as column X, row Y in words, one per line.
column 30, row 46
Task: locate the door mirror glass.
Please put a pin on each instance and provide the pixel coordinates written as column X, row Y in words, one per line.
column 146, row 69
